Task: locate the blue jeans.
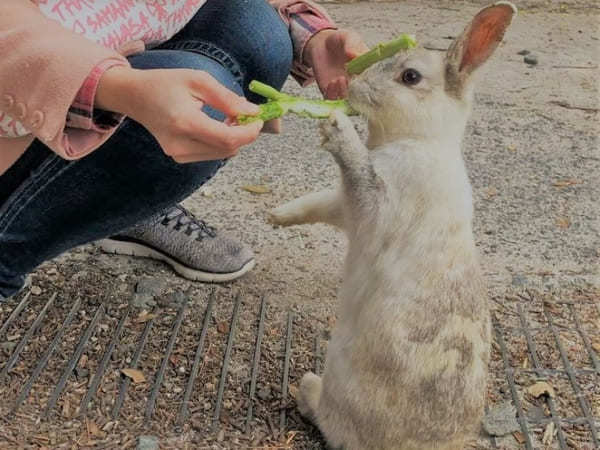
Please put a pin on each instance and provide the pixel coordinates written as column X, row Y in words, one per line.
column 49, row 205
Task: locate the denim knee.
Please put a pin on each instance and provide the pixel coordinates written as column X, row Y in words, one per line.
column 249, row 32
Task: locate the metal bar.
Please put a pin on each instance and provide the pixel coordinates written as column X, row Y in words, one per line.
column 125, row 381
column 576, row 388
column 255, row 364
column 183, row 410
column 93, row 388
column 511, row 383
column 44, row 361
column 234, row 319
column 163, row 366
column 551, row 372
column 536, row 364
column 318, row 355
column 73, row 361
column 586, row 339
column 492, row 437
column 36, row 323
column 286, row 372
column 22, row 304
column 565, row 420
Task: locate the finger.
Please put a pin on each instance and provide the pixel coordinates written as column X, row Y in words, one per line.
column 219, row 135
column 219, row 97
column 337, row 88
column 272, row 126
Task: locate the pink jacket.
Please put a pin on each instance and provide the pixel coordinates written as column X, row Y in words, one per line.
column 36, row 89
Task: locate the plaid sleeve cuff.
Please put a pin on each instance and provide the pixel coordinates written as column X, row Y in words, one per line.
column 82, row 114
column 303, row 26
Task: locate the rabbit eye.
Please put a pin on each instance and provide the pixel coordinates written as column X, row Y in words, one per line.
column 411, row 77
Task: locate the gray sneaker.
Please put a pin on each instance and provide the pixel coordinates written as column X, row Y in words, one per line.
column 189, row 245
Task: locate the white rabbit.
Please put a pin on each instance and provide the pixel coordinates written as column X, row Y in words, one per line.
column 407, row 362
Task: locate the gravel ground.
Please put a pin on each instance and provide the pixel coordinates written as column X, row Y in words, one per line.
column 533, row 156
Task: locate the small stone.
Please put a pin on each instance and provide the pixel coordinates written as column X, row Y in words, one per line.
column 147, row 443
column 81, row 372
column 501, row 419
column 531, row 60
column 171, row 300
column 8, row 347
column 36, row 290
column 519, row 280
column 144, row 301
column 264, row 393
column 151, row 286
column 207, row 406
column 221, row 436
column 181, row 370
column 523, row 52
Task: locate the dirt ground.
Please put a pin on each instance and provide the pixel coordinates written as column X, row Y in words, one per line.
column 533, row 155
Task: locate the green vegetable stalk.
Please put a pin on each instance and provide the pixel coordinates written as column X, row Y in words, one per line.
column 279, row 104
column 379, row 52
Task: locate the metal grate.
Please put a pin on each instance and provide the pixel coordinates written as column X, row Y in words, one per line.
column 526, row 422
column 276, row 354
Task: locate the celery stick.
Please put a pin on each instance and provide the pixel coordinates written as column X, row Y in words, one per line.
column 379, row 52
column 280, row 103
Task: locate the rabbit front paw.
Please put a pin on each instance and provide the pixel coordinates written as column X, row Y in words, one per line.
column 338, row 133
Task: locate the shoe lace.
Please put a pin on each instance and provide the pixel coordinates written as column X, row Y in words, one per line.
column 188, row 223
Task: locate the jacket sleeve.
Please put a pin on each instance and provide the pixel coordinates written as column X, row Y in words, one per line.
column 43, row 68
column 304, row 19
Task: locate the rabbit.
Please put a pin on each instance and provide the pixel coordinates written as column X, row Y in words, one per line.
column 406, row 365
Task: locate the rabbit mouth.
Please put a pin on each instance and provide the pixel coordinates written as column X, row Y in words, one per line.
column 361, row 99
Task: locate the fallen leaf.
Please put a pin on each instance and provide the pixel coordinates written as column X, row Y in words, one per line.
column 256, row 188
column 563, row 222
column 293, row 391
column 82, row 361
column 596, row 346
column 14, row 337
column 144, row 317
column 548, row 434
column 565, row 183
column 525, row 363
column 223, row 327
column 511, row 148
column 491, row 191
column 136, row 375
column 519, row 437
column 291, row 436
column 66, row 410
column 552, row 307
column 94, row 430
column 540, row 388
column 173, row 360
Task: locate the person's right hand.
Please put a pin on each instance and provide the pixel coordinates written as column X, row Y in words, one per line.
column 168, row 103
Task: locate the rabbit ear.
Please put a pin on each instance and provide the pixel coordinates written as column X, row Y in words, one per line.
column 476, row 44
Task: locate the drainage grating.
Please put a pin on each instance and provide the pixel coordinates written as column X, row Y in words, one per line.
column 222, row 369
column 563, row 353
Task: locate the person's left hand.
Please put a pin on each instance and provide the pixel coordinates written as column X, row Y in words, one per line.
column 327, row 52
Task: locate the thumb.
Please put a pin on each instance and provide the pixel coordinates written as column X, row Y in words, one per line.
column 354, row 45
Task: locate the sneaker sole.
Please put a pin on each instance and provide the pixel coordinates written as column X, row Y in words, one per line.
column 134, row 249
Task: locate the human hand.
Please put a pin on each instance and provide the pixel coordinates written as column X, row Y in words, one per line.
column 168, row 103
column 327, row 52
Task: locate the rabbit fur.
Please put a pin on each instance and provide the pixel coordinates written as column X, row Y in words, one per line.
column 407, row 362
